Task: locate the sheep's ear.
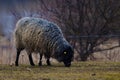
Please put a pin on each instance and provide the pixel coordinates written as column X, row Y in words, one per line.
column 65, row 52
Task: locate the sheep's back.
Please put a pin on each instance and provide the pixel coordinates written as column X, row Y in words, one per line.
column 35, row 33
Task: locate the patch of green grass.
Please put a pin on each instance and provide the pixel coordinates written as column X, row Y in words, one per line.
column 78, row 71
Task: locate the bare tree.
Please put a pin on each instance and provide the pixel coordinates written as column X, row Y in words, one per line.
column 86, row 20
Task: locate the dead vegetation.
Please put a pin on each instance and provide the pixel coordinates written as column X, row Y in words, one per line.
column 78, row 71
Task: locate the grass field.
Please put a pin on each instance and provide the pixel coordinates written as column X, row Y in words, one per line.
column 78, row 71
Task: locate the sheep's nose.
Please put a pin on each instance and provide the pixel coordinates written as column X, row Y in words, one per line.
column 67, row 64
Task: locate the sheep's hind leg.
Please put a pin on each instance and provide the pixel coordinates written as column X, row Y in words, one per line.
column 48, row 62
column 31, row 60
column 40, row 62
column 17, row 57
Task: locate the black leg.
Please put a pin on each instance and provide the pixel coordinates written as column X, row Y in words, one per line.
column 48, row 62
column 40, row 62
column 31, row 60
column 17, row 57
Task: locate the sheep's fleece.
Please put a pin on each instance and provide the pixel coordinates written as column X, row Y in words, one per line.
column 41, row 36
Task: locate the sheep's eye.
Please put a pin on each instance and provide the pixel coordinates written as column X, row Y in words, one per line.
column 65, row 53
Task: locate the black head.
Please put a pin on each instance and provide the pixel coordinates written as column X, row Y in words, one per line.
column 65, row 55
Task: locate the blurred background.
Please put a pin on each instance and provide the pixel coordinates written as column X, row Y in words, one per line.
column 91, row 26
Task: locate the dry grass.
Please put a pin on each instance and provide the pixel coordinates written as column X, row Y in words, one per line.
column 78, row 71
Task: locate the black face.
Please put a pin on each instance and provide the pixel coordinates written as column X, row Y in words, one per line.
column 65, row 56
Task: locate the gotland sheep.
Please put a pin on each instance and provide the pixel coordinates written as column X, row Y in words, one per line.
column 43, row 37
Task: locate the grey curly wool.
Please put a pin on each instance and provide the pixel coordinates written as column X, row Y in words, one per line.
column 44, row 37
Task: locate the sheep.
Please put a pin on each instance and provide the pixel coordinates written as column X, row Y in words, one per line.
column 44, row 37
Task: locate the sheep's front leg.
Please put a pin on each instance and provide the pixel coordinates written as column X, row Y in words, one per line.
column 31, row 60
